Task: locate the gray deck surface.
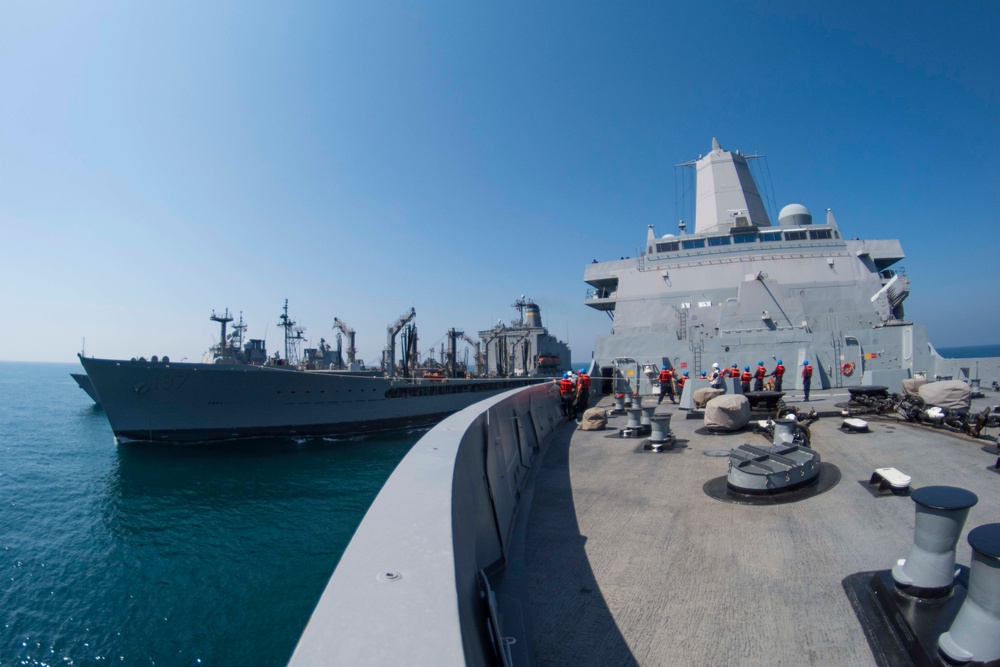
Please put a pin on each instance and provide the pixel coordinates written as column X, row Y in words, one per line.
column 628, row 561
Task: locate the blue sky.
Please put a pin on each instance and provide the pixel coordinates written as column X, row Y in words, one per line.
column 161, row 160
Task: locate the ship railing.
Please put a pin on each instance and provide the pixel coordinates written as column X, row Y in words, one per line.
column 420, row 581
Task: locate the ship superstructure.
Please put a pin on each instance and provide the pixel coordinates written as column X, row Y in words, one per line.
column 524, row 347
column 740, row 289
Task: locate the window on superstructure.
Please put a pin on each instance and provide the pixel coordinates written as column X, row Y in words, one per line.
column 819, row 233
column 718, row 240
column 695, row 243
column 795, row 236
column 770, row 237
column 744, row 238
column 670, row 246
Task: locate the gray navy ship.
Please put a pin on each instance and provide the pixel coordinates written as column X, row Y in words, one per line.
column 237, row 391
column 740, row 289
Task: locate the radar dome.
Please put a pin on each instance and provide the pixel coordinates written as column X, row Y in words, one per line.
column 794, row 215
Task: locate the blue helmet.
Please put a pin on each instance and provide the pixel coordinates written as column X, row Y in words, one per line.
column 805, row 363
column 760, row 363
column 746, row 368
column 664, row 367
column 566, row 374
column 685, row 373
column 581, row 370
column 780, row 362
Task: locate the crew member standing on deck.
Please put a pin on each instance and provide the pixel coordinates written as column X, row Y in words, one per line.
column 734, row 372
column 779, row 372
column 745, row 378
column 582, row 393
column 566, row 394
column 715, row 379
column 807, row 374
column 758, row 377
column 666, row 384
column 680, row 384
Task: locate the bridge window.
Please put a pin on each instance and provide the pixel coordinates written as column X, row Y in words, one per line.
column 795, row 236
column 819, row 233
column 695, row 243
column 744, row 238
column 670, row 246
column 770, row 237
column 718, row 240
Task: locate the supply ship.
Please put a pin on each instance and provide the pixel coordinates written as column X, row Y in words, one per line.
column 239, row 392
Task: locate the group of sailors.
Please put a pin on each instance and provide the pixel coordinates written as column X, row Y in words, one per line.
column 668, row 378
column 574, row 392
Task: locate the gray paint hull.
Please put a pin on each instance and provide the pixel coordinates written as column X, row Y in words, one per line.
column 178, row 402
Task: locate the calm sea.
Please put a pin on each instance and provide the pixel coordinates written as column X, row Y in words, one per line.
column 156, row 555
column 970, row 351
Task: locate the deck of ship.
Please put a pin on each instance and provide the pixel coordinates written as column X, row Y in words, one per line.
column 628, row 561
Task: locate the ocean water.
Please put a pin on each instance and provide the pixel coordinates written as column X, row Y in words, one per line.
column 969, row 351
column 143, row 554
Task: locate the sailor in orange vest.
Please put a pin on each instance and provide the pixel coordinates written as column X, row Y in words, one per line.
column 807, row 374
column 666, row 384
column 745, row 379
column 758, row 377
column 566, row 393
column 680, row 383
column 582, row 393
column 734, row 372
column 779, row 371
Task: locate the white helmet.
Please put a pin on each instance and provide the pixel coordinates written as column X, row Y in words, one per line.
column 715, row 365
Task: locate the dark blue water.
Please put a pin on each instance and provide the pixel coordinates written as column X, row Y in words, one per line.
column 158, row 555
column 969, row 351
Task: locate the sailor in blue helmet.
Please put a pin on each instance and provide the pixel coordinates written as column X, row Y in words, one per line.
column 758, row 377
column 582, row 401
column 567, row 394
column 807, row 374
column 666, row 384
column 777, row 374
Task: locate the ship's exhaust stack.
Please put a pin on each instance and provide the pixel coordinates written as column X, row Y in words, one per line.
column 533, row 315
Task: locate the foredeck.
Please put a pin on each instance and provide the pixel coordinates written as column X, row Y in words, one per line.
column 628, row 561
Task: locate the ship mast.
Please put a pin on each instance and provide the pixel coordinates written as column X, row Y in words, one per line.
column 223, row 320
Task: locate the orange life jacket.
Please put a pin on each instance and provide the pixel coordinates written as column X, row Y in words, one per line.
column 680, row 381
column 666, row 375
column 565, row 386
column 761, row 372
column 584, row 381
column 745, row 377
column 807, row 371
column 779, row 370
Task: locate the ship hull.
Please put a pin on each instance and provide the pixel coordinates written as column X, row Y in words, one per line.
column 188, row 403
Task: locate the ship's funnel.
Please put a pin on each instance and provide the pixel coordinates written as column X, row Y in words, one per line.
column 727, row 195
column 533, row 315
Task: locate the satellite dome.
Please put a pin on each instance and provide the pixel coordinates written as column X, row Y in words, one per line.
column 794, row 215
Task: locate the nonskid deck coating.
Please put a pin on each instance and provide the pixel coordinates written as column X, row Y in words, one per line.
column 629, row 562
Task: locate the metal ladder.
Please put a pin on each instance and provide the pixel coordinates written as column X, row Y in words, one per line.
column 838, row 345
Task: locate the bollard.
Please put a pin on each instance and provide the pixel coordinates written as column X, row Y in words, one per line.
column 647, row 414
column 634, row 417
column 619, row 403
column 975, row 632
column 659, row 433
column 929, row 568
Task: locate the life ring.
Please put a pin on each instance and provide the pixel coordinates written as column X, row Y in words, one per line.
column 847, row 368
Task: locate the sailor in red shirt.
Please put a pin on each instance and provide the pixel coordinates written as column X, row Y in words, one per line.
column 745, row 379
column 680, row 383
column 807, row 374
column 582, row 393
column 779, row 372
column 566, row 394
column 758, row 377
column 666, row 384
